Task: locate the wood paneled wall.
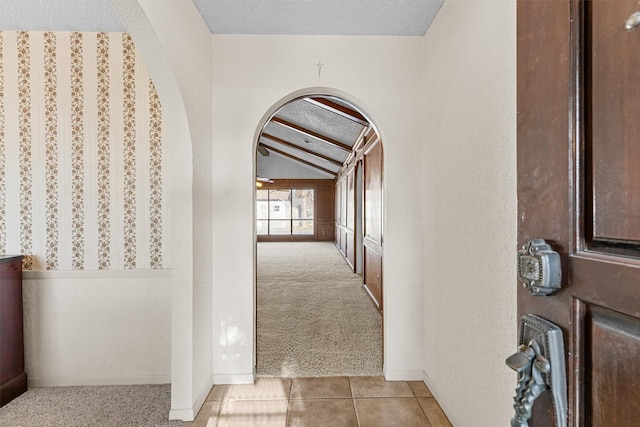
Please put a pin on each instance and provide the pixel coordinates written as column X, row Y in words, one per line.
column 368, row 156
column 345, row 224
column 373, row 221
column 324, row 209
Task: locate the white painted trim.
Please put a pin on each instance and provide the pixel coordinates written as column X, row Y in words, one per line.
column 438, row 396
column 186, row 414
column 233, row 378
column 97, row 274
column 202, row 397
column 403, row 375
column 94, row 381
column 189, row 414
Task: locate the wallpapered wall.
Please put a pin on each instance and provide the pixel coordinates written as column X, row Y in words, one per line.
column 82, row 153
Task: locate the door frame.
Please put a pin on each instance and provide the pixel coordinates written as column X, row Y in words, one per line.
column 310, row 92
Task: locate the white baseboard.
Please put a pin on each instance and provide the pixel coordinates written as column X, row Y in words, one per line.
column 404, row 375
column 160, row 273
column 182, row 414
column 190, row 414
column 93, row 381
column 438, row 396
column 233, row 378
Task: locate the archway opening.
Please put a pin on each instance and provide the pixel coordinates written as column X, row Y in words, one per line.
column 318, row 215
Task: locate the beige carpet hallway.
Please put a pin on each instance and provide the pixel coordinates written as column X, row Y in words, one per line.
column 314, row 319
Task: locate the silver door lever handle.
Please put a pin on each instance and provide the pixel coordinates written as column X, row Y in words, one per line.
column 633, row 21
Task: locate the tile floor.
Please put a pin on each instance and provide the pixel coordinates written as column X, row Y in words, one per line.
column 322, row 402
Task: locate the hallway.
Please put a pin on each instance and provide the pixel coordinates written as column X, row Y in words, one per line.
column 314, row 318
column 327, row 401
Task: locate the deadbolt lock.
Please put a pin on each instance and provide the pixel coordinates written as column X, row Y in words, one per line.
column 539, row 268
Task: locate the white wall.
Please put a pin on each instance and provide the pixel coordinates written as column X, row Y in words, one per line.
column 470, row 210
column 252, row 75
column 97, row 327
column 185, row 39
column 175, row 43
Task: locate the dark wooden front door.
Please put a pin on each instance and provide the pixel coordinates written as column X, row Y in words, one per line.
column 579, row 189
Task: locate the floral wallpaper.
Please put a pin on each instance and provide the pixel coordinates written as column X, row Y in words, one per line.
column 51, row 150
column 24, row 141
column 82, row 153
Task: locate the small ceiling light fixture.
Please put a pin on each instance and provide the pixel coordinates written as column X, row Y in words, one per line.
column 261, row 180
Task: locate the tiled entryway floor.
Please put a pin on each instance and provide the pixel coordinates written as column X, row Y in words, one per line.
column 322, row 402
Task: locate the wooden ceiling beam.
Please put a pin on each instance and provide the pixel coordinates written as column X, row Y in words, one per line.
column 338, row 109
column 303, row 149
column 297, row 159
column 311, row 133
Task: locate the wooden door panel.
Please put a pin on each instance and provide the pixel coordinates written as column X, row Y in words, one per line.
column 373, row 193
column 613, row 90
column 350, row 250
column 350, row 200
column 612, row 392
column 373, row 275
column 604, row 281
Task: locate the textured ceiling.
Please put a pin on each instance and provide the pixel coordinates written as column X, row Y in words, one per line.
column 293, row 17
column 59, row 15
column 319, row 17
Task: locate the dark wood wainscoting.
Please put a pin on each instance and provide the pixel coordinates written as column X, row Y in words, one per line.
column 345, row 243
column 345, row 216
column 373, row 271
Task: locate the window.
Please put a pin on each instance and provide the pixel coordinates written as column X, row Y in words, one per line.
column 284, row 212
column 302, row 212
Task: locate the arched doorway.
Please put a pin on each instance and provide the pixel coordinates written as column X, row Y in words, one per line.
column 319, row 181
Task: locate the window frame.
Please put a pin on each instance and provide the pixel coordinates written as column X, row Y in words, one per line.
column 290, row 217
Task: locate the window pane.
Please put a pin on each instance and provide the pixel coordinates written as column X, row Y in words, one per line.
column 262, row 204
column 302, row 226
column 279, row 204
column 280, row 227
column 262, row 227
column 302, row 204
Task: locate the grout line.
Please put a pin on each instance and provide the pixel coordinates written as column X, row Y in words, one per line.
column 353, row 402
column 355, row 410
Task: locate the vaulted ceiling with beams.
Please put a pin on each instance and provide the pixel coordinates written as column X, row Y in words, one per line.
column 315, row 131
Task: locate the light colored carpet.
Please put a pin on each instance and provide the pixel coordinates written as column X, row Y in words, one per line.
column 96, row 406
column 314, row 318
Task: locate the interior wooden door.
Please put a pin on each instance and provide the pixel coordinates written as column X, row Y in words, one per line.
column 579, row 189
